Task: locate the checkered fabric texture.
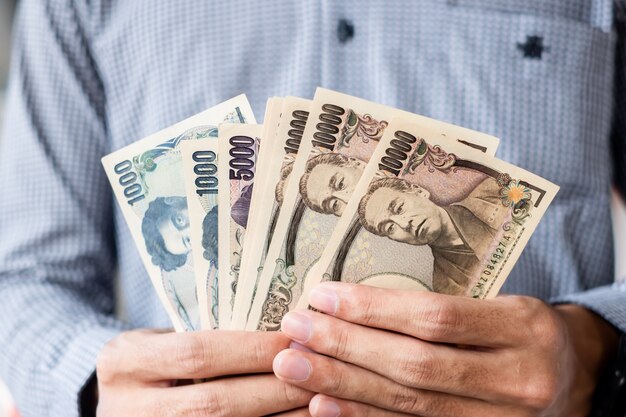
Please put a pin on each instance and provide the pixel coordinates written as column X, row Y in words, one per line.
column 89, row 77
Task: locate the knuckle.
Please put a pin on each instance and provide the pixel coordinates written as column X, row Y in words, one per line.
column 545, row 326
column 259, row 351
column 427, row 403
column 405, row 399
column 293, row 395
column 354, row 409
column 334, row 385
column 107, row 362
column 366, row 306
column 193, row 356
column 341, row 341
column 440, row 319
column 419, row 368
column 207, row 403
column 540, row 394
column 105, row 365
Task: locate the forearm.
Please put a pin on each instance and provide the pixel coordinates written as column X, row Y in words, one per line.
column 594, row 338
column 594, row 342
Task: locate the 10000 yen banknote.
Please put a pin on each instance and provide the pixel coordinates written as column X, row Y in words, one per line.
column 430, row 214
column 341, row 135
column 266, row 204
column 238, row 150
column 200, row 160
column 148, row 183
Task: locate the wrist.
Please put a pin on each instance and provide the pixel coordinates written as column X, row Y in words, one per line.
column 594, row 339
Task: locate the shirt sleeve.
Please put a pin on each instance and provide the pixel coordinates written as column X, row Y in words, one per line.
column 57, row 247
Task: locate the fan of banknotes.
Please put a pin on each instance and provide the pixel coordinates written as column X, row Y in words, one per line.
column 236, row 222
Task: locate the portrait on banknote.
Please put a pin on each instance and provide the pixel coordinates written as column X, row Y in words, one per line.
column 329, row 181
column 432, row 214
column 459, row 234
column 323, row 190
column 340, row 138
column 165, row 221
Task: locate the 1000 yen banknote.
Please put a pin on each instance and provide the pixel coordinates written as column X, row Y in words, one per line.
column 341, row 135
column 200, row 160
column 430, row 214
column 266, row 204
column 238, row 150
column 148, row 184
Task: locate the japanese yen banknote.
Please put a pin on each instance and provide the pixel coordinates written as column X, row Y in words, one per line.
column 147, row 180
column 236, row 222
column 431, row 214
column 258, row 218
column 340, row 136
column 238, row 150
column 201, row 184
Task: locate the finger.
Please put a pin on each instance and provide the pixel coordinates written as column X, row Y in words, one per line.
column 337, row 379
column 408, row 361
column 426, row 315
column 302, row 412
column 146, row 357
column 243, row 396
column 324, row 406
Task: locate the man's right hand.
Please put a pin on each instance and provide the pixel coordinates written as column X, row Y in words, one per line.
column 138, row 374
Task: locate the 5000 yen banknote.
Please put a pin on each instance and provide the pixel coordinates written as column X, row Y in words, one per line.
column 147, row 181
column 247, row 273
column 266, row 204
column 200, row 160
column 430, row 214
column 341, row 135
column 238, row 150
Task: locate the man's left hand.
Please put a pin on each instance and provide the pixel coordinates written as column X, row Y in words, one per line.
column 379, row 352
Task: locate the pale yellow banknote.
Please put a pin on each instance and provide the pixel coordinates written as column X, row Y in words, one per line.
column 238, row 151
column 147, row 179
column 432, row 215
column 256, row 218
column 266, row 204
column 201, row 185
column 341, row 135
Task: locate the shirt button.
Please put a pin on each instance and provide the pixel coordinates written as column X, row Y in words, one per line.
column 345, row 30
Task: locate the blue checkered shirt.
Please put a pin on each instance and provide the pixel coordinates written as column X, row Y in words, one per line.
column 89, row 77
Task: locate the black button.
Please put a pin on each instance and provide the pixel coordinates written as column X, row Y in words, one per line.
column 345, row 30
column 533, row 48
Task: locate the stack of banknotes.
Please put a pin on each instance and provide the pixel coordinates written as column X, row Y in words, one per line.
column 236, row 222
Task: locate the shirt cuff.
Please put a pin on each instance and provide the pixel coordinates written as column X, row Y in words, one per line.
column 76, row 367
column 608, row 302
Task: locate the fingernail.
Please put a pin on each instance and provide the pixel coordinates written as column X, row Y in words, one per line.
column 324, row 407
column 298, row 346
column 297, row 326
column 324, row 299
column 291, row 365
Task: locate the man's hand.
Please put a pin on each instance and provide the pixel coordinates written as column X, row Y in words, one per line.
column 389, row 352
column 138, row 375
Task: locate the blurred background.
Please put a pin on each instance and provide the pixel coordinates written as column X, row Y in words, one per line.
column 6, row 14
column 7, row 8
